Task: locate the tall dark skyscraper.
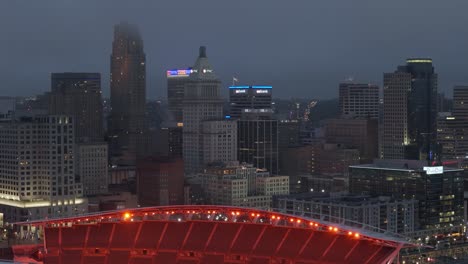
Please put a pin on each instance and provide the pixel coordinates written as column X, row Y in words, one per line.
column 410, row 111
column 249, row 97
column 176, row 80
column 257, row 139
column 128, row 92
column 79, row 95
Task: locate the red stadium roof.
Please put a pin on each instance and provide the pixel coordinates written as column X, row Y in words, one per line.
column 206, row 234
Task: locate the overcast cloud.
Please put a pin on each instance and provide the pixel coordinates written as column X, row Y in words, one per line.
column 303, row 48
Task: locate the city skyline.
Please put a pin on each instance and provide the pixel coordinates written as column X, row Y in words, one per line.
column 311, row 56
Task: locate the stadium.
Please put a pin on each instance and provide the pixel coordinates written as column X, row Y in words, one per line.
column 201, row 234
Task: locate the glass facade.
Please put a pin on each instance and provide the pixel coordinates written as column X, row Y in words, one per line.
column 440, row 196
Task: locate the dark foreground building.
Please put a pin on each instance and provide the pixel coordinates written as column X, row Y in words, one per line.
column 160, row 181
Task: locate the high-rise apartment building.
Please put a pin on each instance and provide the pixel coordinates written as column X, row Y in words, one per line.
column 359, row 100
column 409, row 112
column 249, row 97
column 79, row 95
column 128, row 93
column 176, row 80
column 257, row 140
column 37, row 169
column 202, row 101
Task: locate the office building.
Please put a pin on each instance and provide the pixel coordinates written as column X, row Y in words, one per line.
column 361, row 134
column 202, row 102
column 92, row 167
column 257, row 140
column 249, row 97
column 359, row 100
column 288, row 134
column 360, row 211
column 452, row 130
column 168, row 141
column 318, row 159
column 219, row 141
column 439, row 190
column 128, row 94
column 160, row 181
column 37, row 169
column 409, row 112
column 79, row 95
column 176, row 80
column 237, row 184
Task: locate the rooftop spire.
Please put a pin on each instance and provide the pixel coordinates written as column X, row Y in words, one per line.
column 202, row 52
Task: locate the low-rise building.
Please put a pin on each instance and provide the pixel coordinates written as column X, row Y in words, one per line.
column 380, row 214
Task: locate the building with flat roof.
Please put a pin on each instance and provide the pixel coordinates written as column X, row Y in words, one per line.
column 160, row 181
column 438, row 189
column 176, row 80
column 361, row 211
column 78, row 95
column 37, row 169
column 409, row 112
column 240, row 185
column 361, row 134
column 359, row 100
column 249, row 97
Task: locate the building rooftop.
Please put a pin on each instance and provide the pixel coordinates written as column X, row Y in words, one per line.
column 403, row 165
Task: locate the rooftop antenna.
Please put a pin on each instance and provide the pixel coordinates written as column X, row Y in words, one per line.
column 234, row 80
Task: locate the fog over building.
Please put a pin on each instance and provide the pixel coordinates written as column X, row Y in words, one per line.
column 128, row 93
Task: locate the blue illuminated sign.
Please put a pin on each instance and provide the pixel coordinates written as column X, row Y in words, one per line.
column 239, row 87
column 228, row 117
column 251, row 87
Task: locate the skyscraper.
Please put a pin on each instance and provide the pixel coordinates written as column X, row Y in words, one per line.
column 37, row 169
column 409, row 111
column 202, row 101
column 249, row 97
column 257, row 139
column 176, row 80
column 128, row 92
column 79, row 95
column 359, row 100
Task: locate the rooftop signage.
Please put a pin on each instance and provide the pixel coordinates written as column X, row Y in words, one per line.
column 434, row 170
column 179, row 73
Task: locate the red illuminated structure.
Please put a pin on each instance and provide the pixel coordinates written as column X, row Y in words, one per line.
column 203, row 234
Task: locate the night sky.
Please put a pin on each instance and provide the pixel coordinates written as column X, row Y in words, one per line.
column 303, row 48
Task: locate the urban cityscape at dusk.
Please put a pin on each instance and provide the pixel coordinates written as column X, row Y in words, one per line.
column 234, row 132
